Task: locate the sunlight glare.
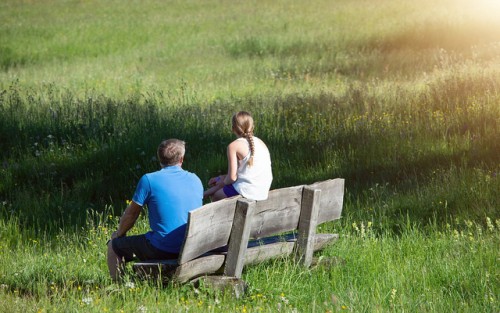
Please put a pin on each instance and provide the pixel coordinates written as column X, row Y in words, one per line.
column 486, row 8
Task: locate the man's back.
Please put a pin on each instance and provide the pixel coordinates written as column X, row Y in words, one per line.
column 170, row 194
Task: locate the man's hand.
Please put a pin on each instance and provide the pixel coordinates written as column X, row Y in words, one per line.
column 213, row 181
column 219, row 180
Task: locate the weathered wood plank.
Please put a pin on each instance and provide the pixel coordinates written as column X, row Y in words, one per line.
column 331, row 200
column 282, row 245
column 201, row 266
column 208, row 228
column 239, row 238
column 260, row 253
column 307, row 225
column 279, row 213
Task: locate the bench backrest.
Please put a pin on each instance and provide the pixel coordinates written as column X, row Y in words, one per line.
column 331, row 199
column 279, row 213
column 208, row 228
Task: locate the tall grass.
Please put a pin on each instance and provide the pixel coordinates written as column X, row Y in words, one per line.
column 423, row 269
column 69, row 153
column 400, row 99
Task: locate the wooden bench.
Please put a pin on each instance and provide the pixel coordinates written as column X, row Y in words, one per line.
column 222, row 237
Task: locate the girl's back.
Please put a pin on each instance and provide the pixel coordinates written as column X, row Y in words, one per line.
column 254, row 181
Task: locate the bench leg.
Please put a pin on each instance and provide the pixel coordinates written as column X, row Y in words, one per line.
column 238, row 240
column 307, row 225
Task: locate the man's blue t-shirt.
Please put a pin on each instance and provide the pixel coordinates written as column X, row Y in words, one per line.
column 170, row 194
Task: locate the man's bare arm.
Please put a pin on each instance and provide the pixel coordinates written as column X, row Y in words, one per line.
column 128, row 219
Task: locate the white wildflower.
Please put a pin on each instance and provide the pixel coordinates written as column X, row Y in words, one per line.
column 130, row 285
column 87, row 300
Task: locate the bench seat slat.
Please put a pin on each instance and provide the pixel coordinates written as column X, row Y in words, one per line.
column 261, row 253
column 282, row 245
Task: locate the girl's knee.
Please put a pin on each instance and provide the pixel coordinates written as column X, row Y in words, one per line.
column 219, row 195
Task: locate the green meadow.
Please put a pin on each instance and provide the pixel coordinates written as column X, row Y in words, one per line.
column 400, row 98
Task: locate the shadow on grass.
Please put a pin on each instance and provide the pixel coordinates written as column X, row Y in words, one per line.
column 63, row 158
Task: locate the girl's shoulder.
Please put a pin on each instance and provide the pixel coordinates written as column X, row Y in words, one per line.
column 238, row 142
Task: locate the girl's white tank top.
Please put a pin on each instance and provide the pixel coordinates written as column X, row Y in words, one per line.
column 254, row 181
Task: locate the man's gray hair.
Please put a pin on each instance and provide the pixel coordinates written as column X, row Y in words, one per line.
column 171, row 152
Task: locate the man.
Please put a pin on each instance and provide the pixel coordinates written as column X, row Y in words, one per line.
column 169, row 194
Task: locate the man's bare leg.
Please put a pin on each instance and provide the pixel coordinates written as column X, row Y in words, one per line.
column 115, row 263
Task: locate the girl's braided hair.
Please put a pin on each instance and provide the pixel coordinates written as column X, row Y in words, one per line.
column 243, row 127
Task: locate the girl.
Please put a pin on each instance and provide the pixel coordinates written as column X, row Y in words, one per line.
column 249, row 165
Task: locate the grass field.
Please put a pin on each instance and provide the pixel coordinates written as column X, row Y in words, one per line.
column 400, row 98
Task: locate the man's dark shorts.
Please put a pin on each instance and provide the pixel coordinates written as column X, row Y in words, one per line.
column 138, row 247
